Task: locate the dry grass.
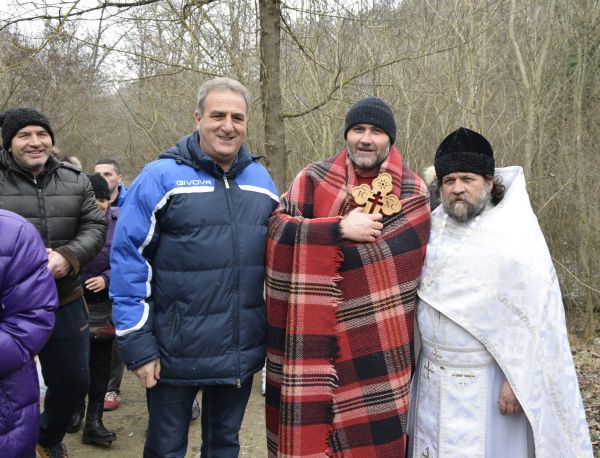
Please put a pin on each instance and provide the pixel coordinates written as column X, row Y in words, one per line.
column 587, row 363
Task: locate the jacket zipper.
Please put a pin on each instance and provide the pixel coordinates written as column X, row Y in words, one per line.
column 40, row 195
column 42, row 212
column 236, row 312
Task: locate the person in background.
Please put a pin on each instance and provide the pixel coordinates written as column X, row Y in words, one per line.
column 73, row 160
column 111, row 171
column 345, row 251
column 495, row 376
column 58, row 200
column 188, row 277
column 28, row 297
column 96, row 279
column 431, row 182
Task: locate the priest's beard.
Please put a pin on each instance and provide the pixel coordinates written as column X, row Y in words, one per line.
column 463, row 209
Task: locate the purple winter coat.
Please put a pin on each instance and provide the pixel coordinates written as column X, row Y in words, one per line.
column 28, row 299
column 100, row 265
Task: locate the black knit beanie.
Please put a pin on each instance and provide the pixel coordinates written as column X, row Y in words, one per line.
column 14, row 119
column 464, row 150
column 100, row 186
column 372, row 110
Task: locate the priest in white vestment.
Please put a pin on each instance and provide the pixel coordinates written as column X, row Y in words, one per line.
column 495, row 376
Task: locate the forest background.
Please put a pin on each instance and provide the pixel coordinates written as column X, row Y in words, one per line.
column 118, row 79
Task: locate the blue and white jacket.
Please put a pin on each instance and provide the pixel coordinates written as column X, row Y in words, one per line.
column 188, row 261
column 120, row 197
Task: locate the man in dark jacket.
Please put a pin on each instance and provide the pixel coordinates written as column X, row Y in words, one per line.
column 188, row 264
column 59, row 201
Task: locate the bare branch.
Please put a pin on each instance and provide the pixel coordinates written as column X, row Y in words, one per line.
column 77, row 13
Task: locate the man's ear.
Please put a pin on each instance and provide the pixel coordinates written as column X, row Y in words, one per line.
column 197, row 118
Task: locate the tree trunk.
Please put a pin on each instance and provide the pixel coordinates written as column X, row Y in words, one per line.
column 531, row 76
column 584, row 220
column 270, row 48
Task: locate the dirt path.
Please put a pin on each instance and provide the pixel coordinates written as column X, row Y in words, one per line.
column 129, row 422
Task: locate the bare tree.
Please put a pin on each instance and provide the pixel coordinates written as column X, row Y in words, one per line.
column 526, row 74
column 270, row 49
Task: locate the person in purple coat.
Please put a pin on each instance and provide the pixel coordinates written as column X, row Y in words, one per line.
column 28, row 299
column 96, row 278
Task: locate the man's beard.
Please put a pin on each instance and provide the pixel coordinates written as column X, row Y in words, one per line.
column 374, row 163
column 461, row 210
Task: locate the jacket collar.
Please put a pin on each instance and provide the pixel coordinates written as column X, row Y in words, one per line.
column 8, row 162
column 188, row 151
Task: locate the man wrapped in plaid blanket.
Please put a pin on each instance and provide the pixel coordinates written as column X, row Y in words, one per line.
column 341, row 289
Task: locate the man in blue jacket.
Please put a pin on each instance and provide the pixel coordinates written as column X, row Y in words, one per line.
column 187, row 277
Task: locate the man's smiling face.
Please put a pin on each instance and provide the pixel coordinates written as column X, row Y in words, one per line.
column 222, row 126
column 31, row 147
column 368, row 147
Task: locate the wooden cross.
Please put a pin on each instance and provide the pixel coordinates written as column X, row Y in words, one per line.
column 373, row 202
column 428, row 369
column 378, row 198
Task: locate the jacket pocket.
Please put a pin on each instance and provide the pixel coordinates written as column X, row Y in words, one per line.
column 175, row 336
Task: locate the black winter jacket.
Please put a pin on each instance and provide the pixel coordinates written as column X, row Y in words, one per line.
column 60, row 203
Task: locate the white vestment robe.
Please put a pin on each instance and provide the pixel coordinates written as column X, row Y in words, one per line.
column 455, row 399
column 490, row 310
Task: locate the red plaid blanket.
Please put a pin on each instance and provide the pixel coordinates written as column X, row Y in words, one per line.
column 340, row 317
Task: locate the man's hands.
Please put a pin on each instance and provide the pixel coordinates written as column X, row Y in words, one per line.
column 148, row 373
column 95, row 284
column 507, row 401
column 57, row 264
column 361, row 227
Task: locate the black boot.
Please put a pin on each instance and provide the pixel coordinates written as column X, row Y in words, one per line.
column 56, row 451
column 76, row 419
column 94, row 431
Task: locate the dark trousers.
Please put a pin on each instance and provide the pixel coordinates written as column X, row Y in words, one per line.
column 116, row 370
column 170, row 410
column 65, row 368
column 100, row 358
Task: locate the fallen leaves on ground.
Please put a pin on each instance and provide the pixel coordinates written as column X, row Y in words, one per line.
column 587, row 364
